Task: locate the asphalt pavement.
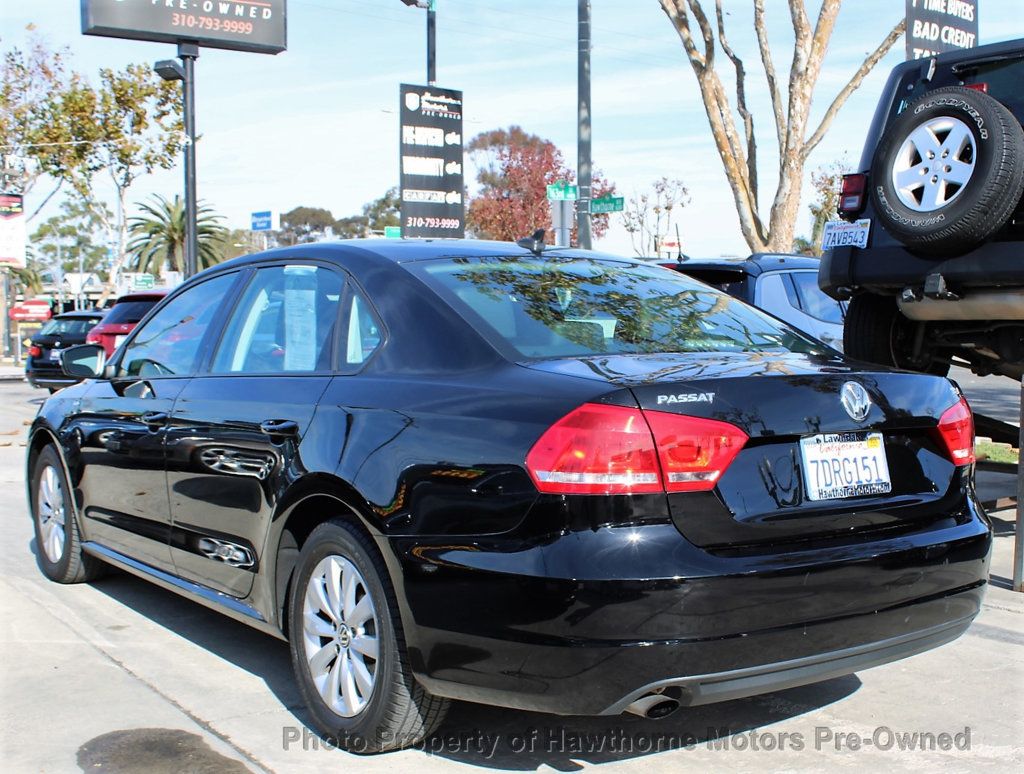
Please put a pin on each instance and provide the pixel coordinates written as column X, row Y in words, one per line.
column 121, row 676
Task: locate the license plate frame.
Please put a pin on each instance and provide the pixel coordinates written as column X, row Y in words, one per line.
column 838, row 466
column 55, row 355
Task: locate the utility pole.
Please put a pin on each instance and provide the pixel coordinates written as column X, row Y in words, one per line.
column 583, row 164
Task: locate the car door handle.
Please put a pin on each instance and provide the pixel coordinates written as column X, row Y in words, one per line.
column 154, row 418
column 279, row 427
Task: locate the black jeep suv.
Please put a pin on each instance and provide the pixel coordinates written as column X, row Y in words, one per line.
column 939, row 273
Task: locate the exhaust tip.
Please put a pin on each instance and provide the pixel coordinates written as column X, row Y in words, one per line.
column 654, row 706
column 662, row 709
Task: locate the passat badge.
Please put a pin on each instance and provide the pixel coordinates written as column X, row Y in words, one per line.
column 855, row 400
column 687, row 397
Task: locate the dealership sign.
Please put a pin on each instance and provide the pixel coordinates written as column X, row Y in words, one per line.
column 937, row 26
column 242, row 25
column 431, row 162
column 12, row 231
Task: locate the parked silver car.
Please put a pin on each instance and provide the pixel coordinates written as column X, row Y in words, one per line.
column 783, row 285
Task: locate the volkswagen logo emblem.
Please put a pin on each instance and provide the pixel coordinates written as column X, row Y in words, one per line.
column 855, row 400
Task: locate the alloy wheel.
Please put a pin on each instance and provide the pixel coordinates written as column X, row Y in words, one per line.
column 934, row 164
column 340, row 635
column 50, row 513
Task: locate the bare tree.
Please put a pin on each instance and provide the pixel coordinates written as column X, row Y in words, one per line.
column 647, row 217
column 738, row 149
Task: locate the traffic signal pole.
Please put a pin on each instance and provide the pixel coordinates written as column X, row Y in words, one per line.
column 583, row 164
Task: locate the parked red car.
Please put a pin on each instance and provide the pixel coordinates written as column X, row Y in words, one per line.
column 123, row 316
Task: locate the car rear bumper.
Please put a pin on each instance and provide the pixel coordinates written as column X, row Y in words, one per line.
column 569, row 642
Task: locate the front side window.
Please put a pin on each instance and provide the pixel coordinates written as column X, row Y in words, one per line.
column 283, row 323
column 568, row 307
column 168, row 344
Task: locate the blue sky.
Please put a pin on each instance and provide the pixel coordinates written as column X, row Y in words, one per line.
column 318, row 125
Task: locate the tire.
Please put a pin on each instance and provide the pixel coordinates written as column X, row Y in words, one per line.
column 955, row 206
column 58, row 544
column 876, row 332
column 394, row 711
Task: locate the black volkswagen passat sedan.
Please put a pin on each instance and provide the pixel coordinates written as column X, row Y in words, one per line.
column 564, row 482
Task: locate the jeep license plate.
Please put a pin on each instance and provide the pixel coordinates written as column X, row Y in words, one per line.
column 839, row 233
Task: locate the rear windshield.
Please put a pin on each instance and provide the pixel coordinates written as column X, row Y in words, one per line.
column 569, row 307
column 732, row 282
column 128, row 311
column 72, row 326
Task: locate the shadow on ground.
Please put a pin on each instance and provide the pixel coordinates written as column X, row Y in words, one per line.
column 485, row 736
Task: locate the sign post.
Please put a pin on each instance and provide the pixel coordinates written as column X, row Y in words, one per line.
column 937, row 26
column 431, row 162
column 238, row 25
column 561, row 195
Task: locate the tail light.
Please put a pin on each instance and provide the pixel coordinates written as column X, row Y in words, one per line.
column 956, row 432
column 982, row 87
column 851, row 197
column 598, row 449
column 35, row 351
column 694, row 452
column 93, row 337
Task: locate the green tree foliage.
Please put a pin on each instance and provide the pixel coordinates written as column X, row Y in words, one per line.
column 376, row 216
column 47, row 118
column 305, row 224
column 158, row 236
column 78, row 231
column 827, row 180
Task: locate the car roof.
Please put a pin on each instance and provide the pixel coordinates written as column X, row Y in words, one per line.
column 80, row 314
column 399, row 251
column 755, row 264
column 142, row 295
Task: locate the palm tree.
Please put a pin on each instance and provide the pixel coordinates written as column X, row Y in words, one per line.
column 157, row 236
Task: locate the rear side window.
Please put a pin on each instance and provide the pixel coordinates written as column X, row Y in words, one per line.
column 129, row 311
column 363, row 334
column 563, row 307
column 812, row 300
column 283, row 323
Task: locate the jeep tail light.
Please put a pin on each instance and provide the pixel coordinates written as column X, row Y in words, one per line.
column 956, row 431
column 599, row 449
column 693, row 452
column 34, row 351
column 851, row 197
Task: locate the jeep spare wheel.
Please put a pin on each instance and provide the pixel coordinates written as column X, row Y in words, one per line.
column 949, row 170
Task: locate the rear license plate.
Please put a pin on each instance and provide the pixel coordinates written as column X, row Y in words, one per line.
column 54, row 355
column 839, row 233
column 118, row 341
column 844, row 465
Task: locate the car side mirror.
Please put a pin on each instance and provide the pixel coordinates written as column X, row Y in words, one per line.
column 85, row 361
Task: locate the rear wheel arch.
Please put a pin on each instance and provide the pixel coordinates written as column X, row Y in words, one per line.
column 311, row 502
